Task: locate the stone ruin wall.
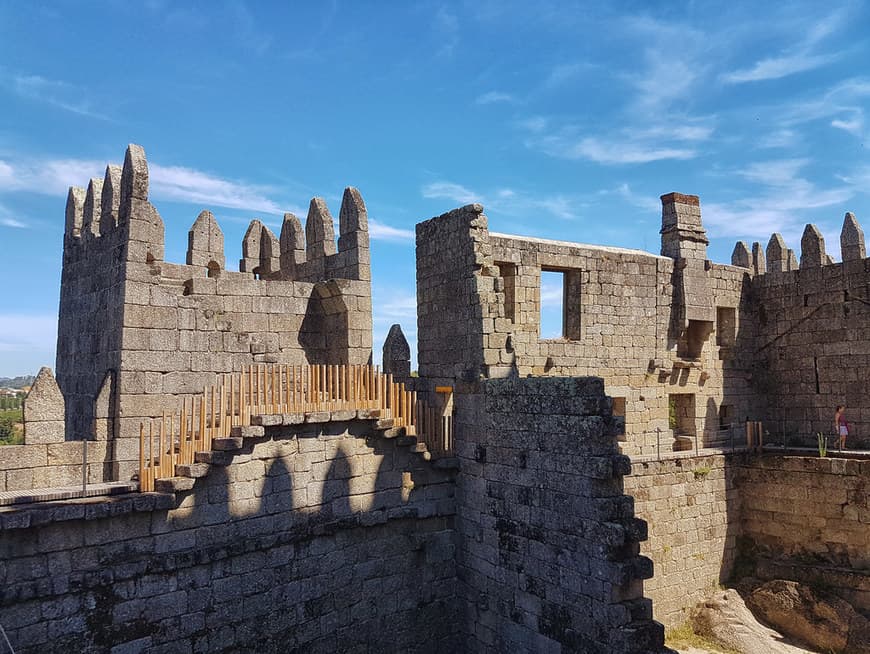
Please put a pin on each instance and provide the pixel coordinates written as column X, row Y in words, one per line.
column 813, row 350
column 137, row 334
column 329, row 537
column 625, row 320
column 548, row 544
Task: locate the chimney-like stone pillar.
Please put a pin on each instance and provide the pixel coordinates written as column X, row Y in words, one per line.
column 683, row 235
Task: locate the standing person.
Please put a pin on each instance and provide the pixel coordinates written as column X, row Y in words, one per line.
column 841, row 425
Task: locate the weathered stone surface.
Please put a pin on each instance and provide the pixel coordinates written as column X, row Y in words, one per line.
column 724, row 619
column 777, row 254
column 826, row 623
column 44, row 411
column 852, row 239
column 397, row 354
column 319, row 231
column 759, row 266
column 205, row 243
column 741, row 255
column 812, row 248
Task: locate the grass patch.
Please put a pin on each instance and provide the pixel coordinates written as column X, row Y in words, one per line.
column 684, row 636
column 702, row 472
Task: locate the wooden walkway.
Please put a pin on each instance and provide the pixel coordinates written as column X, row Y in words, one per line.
column 296, row 395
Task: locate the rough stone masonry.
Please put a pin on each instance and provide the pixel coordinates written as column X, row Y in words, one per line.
column 342, row 536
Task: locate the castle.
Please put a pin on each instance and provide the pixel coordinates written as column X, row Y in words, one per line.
column 580, row 466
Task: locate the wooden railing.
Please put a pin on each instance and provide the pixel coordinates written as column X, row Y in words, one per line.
column 175, row 438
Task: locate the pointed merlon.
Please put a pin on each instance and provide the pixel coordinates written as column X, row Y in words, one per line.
column 292, row 245
column 92, row 208
column 110, row 199
column 44, row 411
column 353, row 221
column 792, row 260
column 812, row 248
column 134, row 180
column 75, row 203
column 852, row 239
column 397, row 353
column 205, row 243
column 250, row 261
column 740, row 256
column 758, row 264
column 777, row 254
column 270, row 252
column 319, row 231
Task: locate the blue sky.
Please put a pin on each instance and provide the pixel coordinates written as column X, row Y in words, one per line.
column 565, row 121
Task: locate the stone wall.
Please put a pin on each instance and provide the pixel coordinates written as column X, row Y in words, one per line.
column 322, row 540
column 657, row 330
column 814, row 350
column 52, row 465
column 692, row 507
column 164, row 331
column 808, row 518
column 548, row 544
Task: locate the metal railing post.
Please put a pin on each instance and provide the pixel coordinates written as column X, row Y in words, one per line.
column 659, row 443
column 84, row 465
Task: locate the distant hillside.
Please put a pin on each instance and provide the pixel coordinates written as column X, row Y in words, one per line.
column 16, row 382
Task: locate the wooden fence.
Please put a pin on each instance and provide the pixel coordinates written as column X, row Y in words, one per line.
column 175, row 438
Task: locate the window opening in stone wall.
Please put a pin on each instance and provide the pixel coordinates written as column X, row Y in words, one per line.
column 214, row 269
column 681, row 413
column 552, row 304
column 726, row 326
column 560, row 304
column 508, row 274
column 697, row 334
column 816, row 371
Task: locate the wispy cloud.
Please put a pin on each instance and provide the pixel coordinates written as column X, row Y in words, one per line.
column 798, row 58
column 180, row 184
column 493, row 97
column 56, row 93
column 197, row 187
column 777, row 205
column 620, row 149
column 506, row 200
column 379, row 231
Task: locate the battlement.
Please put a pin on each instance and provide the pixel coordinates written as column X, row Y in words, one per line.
column 779, row 258
column 313, row 256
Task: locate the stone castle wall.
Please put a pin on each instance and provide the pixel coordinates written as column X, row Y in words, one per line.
column 322, row 540
column 693, row 509
column 629, row 317
column 137, row 334
column 548, row 554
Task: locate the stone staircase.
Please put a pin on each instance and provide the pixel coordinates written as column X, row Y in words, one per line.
column 224, row 449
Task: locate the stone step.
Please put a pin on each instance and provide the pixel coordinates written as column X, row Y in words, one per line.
column 174, row 484
column 227, row 444
column 384, row 423
column 246, row 431
column 192, row 470
column 214, row 458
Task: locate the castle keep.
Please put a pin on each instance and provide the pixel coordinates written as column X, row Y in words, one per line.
column 521, row 494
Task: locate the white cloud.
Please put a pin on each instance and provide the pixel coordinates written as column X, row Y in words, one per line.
column 625, row 150
column 778, row 67
column 450, row 191
column 11, row 222
column 647, row 203
column 382, row 232
column 493, row 97
column 62, row 95
column 197, row 187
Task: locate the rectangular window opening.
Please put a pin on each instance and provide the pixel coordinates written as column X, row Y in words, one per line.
column 681, row 413
column 619, row 413
column 508, row 274
column 560, row 304
column 726, row 416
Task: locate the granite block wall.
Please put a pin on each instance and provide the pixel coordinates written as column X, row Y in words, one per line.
column 548, row 553
column 321, row 540
column 693, row 509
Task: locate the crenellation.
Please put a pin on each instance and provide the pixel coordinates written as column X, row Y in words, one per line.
column 110, row 199
column 759, row 266
column 92, row 208
column 75, row 203
column 777, row 254
column 319, row 231
column 251, row 248
column 852, row 239
column 741, row 256
column 205, row 244
column 812, row 248
column 292, row 244
column 270, row 254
